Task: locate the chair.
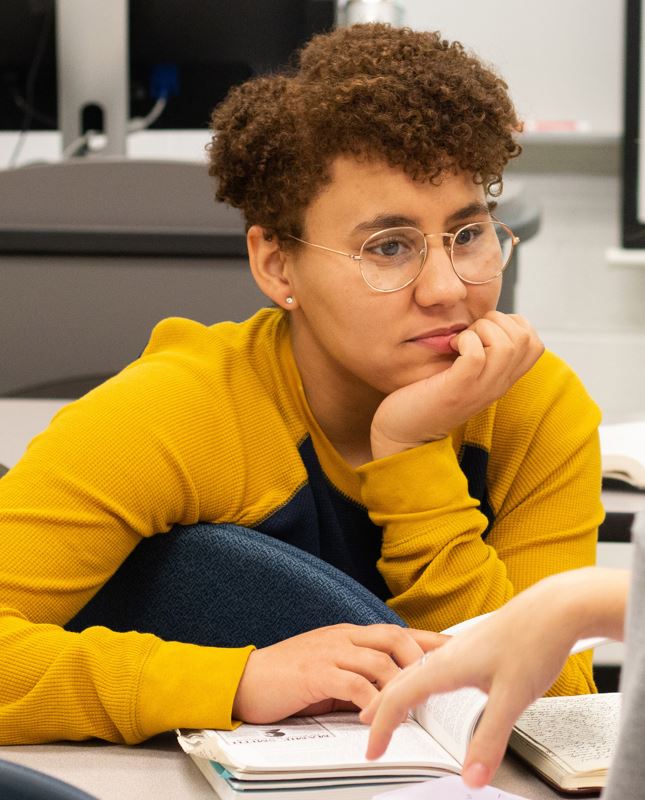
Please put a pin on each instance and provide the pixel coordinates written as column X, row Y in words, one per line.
column 23, row 783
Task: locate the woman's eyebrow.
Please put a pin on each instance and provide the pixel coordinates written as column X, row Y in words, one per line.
column 475, row 209
column 383, row 221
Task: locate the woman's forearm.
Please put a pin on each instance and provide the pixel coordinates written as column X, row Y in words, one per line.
column 593, row 600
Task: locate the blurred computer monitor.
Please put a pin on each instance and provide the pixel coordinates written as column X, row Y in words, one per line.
column 199, row 48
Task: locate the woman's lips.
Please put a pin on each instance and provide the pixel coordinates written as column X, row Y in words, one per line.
column 439, row 342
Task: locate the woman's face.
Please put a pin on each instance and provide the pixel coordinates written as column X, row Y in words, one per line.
column 346, row 331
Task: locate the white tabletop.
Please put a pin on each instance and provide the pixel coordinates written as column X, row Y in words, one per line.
column 159, row 770
column 20, row 421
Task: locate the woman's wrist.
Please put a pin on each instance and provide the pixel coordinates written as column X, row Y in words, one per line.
column 382, row 447
column 594, row 600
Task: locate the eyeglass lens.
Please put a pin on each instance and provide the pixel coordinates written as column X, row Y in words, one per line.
column 391, row 259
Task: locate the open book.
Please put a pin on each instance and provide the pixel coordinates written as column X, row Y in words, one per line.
column 623, row 453
column 569, row 740
column 311, row 755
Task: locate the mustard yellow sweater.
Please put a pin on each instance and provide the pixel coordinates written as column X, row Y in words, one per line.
column 211, row 424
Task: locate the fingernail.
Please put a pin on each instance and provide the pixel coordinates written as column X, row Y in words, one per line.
column 476, row 775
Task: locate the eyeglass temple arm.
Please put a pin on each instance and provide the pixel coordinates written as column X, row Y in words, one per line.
column 450, row 236
column 329, row 249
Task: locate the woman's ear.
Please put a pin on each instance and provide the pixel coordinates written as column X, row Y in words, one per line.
column 269, row 266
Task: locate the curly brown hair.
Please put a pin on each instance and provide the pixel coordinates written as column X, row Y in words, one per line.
column 409, row 98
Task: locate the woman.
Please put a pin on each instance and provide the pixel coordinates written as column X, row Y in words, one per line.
column 382, row 415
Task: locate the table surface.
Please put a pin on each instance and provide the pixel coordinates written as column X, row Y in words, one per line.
column 20, row 421
column 159, row 769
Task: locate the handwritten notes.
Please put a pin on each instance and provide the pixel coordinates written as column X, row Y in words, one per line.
column 581, row 732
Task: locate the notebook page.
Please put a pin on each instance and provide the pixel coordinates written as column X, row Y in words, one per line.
column 581, row 731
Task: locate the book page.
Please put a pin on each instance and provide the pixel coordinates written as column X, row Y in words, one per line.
column 325, row 743
column 625, row 469
column 581, row 731
column 451, row 718
column 623, row 449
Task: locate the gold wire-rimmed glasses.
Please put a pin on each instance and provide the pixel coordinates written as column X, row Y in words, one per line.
column 393, row 258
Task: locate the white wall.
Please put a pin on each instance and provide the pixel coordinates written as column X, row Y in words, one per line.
column 589, row 312
column 563, row 61
column 561, row 58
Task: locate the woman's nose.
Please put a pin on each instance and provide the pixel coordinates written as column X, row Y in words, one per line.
column 438, row 283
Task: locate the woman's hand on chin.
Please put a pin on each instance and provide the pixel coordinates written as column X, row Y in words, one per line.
column 493, row 353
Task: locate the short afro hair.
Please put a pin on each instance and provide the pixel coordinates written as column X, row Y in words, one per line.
column 372, row 91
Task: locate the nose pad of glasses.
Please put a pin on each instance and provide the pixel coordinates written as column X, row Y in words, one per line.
column 434, row 253
column 440, row 271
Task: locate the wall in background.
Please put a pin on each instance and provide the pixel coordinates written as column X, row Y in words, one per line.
column 563, row 60
column 589, row 312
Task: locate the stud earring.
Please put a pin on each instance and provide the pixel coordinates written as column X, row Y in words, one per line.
column 288, row 300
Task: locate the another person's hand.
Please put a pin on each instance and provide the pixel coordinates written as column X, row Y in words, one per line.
column 514, row 655
column 340, row 667
column 493, row 353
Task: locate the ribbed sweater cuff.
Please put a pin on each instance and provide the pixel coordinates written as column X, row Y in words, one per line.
column 414, row 481
column 189, row 686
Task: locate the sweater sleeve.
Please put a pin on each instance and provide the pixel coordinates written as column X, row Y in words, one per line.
column 128, row 460
column 436, row 564
column 123, row 687
column 543, row 482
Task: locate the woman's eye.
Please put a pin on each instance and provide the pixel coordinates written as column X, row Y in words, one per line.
column 467, row 236
column 391, row 248
column 464, row 236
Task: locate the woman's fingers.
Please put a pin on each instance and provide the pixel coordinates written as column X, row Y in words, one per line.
column 403, row 645
column 388, row 709
column 488, row 745
column 375, row 654
column 507, row 347
column 471, row 361
column 382, row 651
column 377, row 667
column 350, row 686
column 508, row 340
column 340, row 662
column 526, row 345
column 428, row 640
